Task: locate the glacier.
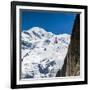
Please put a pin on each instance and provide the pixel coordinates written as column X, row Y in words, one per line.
column 42, row 53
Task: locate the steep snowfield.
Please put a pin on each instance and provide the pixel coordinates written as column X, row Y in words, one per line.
column 42, row 53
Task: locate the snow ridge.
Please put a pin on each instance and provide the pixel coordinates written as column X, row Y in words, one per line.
column 42, row 53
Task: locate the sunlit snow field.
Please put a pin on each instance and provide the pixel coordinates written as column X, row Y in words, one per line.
column 42, row 53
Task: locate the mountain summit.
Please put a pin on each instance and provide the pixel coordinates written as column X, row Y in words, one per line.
column 42, row 52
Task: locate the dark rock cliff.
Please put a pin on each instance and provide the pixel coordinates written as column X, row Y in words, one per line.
column 71, row 65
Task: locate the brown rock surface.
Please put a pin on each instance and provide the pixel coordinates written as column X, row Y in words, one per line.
column 71, row 65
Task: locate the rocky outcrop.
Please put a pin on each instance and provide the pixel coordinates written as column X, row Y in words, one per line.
column 71, row 65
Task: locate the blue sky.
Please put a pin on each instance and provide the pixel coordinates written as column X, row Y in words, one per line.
column 56, row 22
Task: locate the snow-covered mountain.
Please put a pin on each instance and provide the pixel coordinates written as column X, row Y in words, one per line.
column 42, row 53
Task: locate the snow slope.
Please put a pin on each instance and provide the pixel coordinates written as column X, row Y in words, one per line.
column 42, row 53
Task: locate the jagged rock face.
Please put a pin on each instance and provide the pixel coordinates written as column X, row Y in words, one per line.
column 71, row 65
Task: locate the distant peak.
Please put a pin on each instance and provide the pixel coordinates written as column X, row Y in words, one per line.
column 36, row 29
column 64, row 34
